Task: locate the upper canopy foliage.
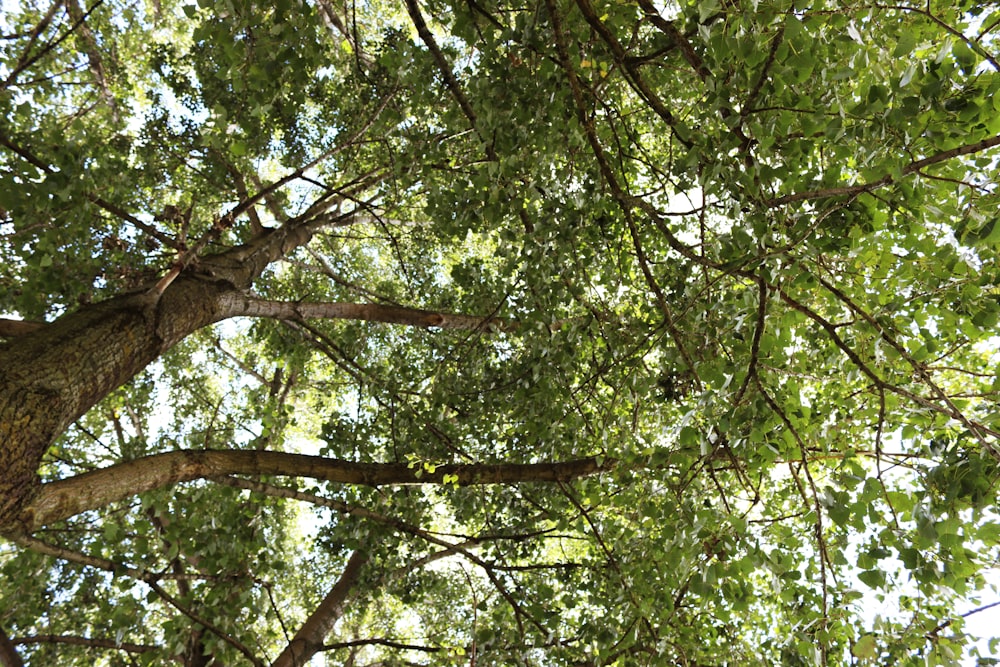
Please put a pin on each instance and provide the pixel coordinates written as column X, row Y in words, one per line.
column 746, row 252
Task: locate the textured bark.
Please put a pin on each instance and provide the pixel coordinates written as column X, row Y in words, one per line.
column 8, row 654
column 309, row 639
column 52, row 376
column 13, row 328
column 60, row 500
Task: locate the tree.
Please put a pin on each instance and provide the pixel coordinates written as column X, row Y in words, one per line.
column 562, row 333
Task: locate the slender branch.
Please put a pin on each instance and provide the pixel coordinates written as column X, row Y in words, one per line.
column 624, row 201
column 95, row 642
column 226, row 220
column 677, row 38
column 755, row 343
column 62, row 553
column 970, row 42
column 200, row 620
column 25, row 62
column 920, row 371
column 449, row 76
column 824, row 556
column 381, row 642
column 949, row 410
column 32, row 159
column 634, row 77
column 911, row 168
column 95, row 62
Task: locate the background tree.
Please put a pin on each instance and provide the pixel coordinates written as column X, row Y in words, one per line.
column 559, row 333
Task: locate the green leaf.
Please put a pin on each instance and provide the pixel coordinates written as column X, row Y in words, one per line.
column 907, row 41
column 873, row 578
column 865, row 648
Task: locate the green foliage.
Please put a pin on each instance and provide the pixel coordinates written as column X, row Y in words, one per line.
column 748, row 252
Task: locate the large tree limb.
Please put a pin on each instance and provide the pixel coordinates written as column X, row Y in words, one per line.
column 8, row 654
column 62, row 499
column 13, row 328
column 309, row 639
column 242, row 305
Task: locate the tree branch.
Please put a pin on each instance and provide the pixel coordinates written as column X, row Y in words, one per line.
column 8, row 654
column 309, row 639
column 914, row 166
column 241, row 305
column 65, row 498
column 449, row 76
column 169, row 599
column 76, row 14
column 94, row 642
column 14, row 328
column 62, row 553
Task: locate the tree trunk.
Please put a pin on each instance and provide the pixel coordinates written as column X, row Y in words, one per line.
column 52, row 376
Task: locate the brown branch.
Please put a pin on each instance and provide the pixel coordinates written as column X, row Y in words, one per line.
column 226, row 220
column 824, row 555
column 32, row 159
column 751, row 99
column 241, row 305
column 635, row 79
column 309, row 639
column 62, row 553
column 25, row 62
column 92, row 490
column 8, row 654
column 169, row 599
column 14, row 328
column 381, row 642
column 625, row 202
column 400, row 525
column 755, row 343
column 919, row 370
column 980, row 430
column 971, row 43
column 334, row 22
column 94, row 642
column 93, row 56
column 888, row 178
column 676, row 37
column 449, row 76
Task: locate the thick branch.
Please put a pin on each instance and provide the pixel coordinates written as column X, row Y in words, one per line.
column 14, row 328
column 8, row 654
column 241, row 305
column 309, row 639
column 65, row 498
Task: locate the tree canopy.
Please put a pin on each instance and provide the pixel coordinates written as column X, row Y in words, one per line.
column 564, row 332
